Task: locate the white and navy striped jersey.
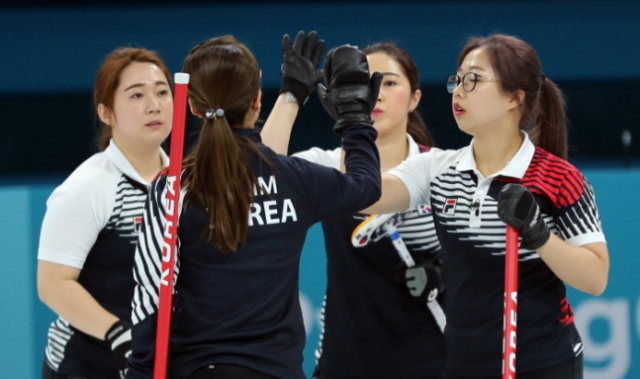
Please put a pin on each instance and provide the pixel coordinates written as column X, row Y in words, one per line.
column 372, row 326
column 92, row 223
column 243, row 308
column 464, row 205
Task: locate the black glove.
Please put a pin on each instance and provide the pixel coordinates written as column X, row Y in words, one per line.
column 119, row 337
column 518, row 208
column 300, row 72
column 424, row 281
column 351, row 94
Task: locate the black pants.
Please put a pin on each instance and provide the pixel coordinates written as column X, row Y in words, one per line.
column 571, row 369
column 225, row 371
column 49, row 373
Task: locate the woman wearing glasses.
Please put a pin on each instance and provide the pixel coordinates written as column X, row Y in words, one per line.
column 373, row 326
column 513, row 172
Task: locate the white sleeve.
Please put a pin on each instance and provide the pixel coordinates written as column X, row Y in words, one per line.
column 330, row 158
column 578, row 220
column 415, row 173
column 76, row 213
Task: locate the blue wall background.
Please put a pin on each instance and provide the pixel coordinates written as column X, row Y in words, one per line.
column 609, row 325
column 54, row 49
column 50, row 55
column 57, row 50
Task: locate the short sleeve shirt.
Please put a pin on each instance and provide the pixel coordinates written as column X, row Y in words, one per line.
column 472, row 236
column 91, row 223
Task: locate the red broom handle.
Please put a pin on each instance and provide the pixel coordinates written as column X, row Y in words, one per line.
column 171, row 227
column 510, row 305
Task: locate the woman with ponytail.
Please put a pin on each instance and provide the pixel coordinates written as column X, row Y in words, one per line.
column 243, row 218
column 372, row 321
column 514, row 172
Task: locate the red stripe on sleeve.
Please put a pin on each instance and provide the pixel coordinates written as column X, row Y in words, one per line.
column 554, row 178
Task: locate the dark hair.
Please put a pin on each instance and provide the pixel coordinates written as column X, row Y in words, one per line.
column 415, row 125
column 108, row 80
column 518, row 68
column 223, row 74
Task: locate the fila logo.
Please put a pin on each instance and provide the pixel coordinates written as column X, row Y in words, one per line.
column 137, row 221
column 449, row 206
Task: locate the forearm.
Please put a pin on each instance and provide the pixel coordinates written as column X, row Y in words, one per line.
column 362, row 163
column 73, row 303
column 276, row 131
column 585, row 268
column 395, row 197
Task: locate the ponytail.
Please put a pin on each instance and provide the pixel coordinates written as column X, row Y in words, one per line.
column 221, row 181
column 550, row 130
column 225, row 83
column 417, row 129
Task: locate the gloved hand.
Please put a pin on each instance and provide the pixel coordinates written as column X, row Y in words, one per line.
column 119, row 337
column 518, row 208
column 351, row 94
column 424, row 281
column 300, row 72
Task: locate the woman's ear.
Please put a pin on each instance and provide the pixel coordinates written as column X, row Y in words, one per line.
column 415, row 100
column 105, row 114
column 517, row 98
column 193, row 109
column 257, row 102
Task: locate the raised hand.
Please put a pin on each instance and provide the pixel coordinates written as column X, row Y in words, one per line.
column 351, row 93
column 300, row 72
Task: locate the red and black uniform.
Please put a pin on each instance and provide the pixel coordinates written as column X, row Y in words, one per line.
column 472, row 236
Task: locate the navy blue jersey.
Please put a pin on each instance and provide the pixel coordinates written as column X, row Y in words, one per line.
column 472, row 236
column 92, row 224
column 243, row 308
column 371, row 325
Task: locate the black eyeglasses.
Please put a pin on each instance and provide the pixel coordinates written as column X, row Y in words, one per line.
column 469, row 81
